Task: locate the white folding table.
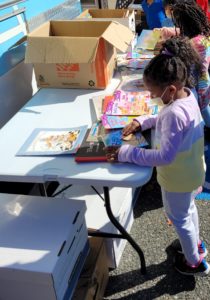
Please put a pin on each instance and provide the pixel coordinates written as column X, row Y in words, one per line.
column 64, row 108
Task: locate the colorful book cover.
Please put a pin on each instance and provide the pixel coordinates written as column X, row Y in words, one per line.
column 114, row 137
column 113, row 122
column 53, row 141
column 130, row 104
column 148, row 39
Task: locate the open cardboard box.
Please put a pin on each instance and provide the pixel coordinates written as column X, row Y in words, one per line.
column 94, row 277
column 76, row 54
column 125, row 17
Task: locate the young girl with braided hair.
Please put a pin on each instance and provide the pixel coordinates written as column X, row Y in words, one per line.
column 178, row 153
column 190, row 21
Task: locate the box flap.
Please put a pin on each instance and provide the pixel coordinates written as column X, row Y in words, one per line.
column 55, row 49
column 105, row 13
column 118, row 35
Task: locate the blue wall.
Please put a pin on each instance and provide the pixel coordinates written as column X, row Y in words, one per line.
column 10, row 57
column 33, row 8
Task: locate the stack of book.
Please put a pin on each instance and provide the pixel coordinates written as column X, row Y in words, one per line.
column 113, row 113
column 120, row 108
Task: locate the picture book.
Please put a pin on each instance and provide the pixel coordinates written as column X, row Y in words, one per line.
column 130, row 104
column 114, row 137
column 94, row 151
column 113, row 122
column 91, row 151
column 148, row 39
column 53, row 141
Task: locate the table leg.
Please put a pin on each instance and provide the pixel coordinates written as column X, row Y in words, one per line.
column 122, row 230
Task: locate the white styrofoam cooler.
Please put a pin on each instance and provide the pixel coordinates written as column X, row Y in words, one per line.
column 41, row 240
column 97, row 219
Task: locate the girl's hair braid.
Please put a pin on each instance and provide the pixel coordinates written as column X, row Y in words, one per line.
column 190, row 18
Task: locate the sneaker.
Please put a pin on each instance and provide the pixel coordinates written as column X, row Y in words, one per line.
column 201, row 248
column 183, row 267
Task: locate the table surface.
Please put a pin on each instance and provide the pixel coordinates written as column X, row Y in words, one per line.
column 60, row 108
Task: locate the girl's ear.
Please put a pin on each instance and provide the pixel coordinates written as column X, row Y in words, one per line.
column 172, row 91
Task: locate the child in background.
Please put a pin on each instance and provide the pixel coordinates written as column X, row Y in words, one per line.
column 154, row 13
column 191, row 21
column 178, row 153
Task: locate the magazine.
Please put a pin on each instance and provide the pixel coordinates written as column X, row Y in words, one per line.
column 53, row 141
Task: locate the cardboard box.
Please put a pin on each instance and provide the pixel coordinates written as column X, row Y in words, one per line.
column 94, row 277
column 125, row 17
column 76, row 54
column 43, row 246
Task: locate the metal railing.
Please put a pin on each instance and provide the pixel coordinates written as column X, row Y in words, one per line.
column 23, row 25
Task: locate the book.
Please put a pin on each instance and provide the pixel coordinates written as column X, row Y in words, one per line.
column 114, row 137
column 130, row 104
column 94, row 151
column 91, row 151
column 113, row 122
column 53, row 141
column 148, row 39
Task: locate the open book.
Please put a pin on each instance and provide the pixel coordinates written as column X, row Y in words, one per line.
column 53, row 141
column 93, row 150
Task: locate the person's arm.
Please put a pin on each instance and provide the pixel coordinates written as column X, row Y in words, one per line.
column 171, row 138
column 167, row 32
column 147, row 122
column 201, row 46
column 140, row 123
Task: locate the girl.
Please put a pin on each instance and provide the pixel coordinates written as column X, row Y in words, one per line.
column 191, row 21
column 178, row 153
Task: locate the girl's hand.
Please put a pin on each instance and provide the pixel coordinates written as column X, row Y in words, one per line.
column 112, row 153
column 131, row 127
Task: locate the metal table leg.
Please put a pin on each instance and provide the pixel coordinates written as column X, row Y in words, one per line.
column 122, row 230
